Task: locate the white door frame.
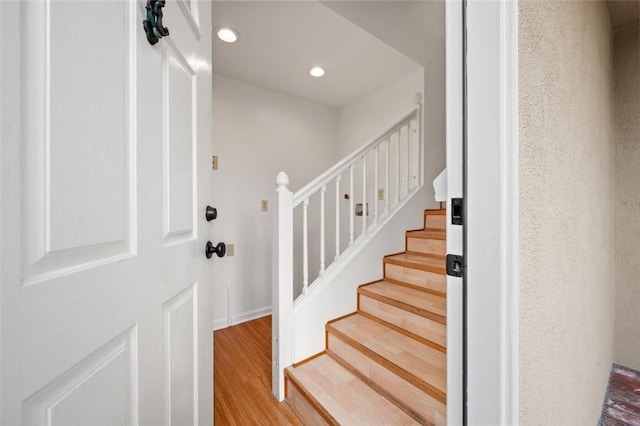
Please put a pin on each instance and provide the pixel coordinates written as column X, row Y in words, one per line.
column 454, row 109
column 492, row 212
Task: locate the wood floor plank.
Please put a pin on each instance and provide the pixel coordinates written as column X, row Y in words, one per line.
column 242, row 377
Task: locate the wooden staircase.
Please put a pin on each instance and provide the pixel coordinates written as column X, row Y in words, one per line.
column 384, row 364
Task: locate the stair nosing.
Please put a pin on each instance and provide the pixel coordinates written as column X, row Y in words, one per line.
column 435, row 212
column 435, row 230
column 387, row 363
column 406, row 332
column 421, row 253
column 413, row 286
column 404, row 306
column 309, row 359
column 412, row 234
column 416, row 265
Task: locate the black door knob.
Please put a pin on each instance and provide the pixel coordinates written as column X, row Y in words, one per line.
column 210, row 213
column 220, row 249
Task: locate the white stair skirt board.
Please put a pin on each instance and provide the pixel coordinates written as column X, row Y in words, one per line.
column 440, row 186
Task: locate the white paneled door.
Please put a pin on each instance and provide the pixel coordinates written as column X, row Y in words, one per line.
column 105, row 310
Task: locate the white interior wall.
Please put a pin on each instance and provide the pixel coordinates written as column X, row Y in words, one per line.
column 259, row 132
column 421, row 39
column 359, row 122
column 340, row 296
column 365, row 119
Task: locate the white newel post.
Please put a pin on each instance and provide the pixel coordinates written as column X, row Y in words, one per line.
column 282, row 287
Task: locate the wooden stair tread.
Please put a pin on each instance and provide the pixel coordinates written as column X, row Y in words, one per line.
column 425, row 262
column 434, row 234
column 387, row 362
column 435, row 211
column 346, row 399
column 410, row 296
column 415, row 358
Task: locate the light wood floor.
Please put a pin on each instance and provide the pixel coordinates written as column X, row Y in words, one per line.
column 242, row 377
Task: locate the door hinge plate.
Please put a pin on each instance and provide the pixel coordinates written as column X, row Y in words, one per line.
column 454, row 265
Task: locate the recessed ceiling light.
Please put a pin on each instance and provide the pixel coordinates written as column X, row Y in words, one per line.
column 226, row 34
column 316, row 72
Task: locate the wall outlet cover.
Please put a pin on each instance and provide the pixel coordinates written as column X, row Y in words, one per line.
column 380, row 194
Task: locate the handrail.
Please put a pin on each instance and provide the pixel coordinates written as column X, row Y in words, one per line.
column 315, row 185
column 402, row 139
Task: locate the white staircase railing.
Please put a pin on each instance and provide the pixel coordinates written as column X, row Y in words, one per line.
column 386, row 172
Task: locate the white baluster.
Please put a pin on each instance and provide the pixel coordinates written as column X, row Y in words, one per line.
column 408, row 155
column 364, row 195
column 417, row 99
column 305, row 247
column 386, row 179
column 338, row 178
column 398, row 167
column 375, row 186
column 322, row 194
column 351, row 212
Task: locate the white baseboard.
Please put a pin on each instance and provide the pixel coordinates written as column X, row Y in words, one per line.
column 243, row 317
column 220, row 324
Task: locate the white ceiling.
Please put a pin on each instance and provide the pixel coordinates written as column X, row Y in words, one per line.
column 281, row 40
column 416, row 27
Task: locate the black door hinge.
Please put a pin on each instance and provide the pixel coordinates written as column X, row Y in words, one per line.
column 454, row 265
column 457, row 209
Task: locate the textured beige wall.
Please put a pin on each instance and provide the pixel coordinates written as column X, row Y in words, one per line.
column 627, row 113
column 567, row 194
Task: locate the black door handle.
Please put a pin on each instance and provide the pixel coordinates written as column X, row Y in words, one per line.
column 220, row 249
column 210, row 213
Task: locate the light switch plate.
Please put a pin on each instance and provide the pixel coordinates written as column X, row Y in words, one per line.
column 381, row 194
column 214, row 162
column 230, row 249
column 264, row 205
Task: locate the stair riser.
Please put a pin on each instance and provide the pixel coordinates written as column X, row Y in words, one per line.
column 417, row 277
column 435, row 221
column 301, row 406
column 416, row 324
column 396, row 388
column 426, row 245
